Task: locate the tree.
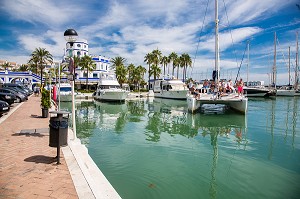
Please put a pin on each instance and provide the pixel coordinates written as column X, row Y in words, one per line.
column 172, row 57
column 131, row 69
column 149, row 60
column 121, row 73
column 117, row 61
column 6, row 66
column 138, row 75
column 186, row 61
column 176, row 64
column 87, row 64
column 164, row 61
column 155, row 71
column 43, row 57
column 23, row 67
column 33, row 64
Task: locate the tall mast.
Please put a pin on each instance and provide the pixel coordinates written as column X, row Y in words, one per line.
column 248, row 63
column 217, row 66
column 297, row 64
column 274, row 64
column 289, row 65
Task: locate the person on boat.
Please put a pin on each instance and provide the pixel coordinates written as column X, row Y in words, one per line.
column 205, row 86
column 240, row 85
column 229, row 87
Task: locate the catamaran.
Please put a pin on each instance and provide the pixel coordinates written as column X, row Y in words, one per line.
column 234, row 101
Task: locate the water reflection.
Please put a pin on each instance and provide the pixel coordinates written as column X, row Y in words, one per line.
column 152, row 143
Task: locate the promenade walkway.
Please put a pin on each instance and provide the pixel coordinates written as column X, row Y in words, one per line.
column 28, row 168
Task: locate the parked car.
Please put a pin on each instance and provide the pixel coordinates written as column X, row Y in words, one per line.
column 4, row 107
column 7, row 97
column 20, row 86
column 20, row 97
column 19, row 90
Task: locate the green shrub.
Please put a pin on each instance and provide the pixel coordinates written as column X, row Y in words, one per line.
column 45, row 100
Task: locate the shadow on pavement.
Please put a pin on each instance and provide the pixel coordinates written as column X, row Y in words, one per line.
column 33, row 132
column 41, row 159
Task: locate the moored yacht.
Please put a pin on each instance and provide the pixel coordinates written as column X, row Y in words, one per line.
column 64, row 92
column 256, row 91
column 169, row 89
column 109, row 89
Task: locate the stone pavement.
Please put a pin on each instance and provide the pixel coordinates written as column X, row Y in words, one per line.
column 28, row 168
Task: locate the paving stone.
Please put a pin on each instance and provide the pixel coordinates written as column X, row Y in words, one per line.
column 27, row 165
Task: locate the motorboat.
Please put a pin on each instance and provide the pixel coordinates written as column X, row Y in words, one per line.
column 64, row 92
column 170, row 89
column 256, row 91
column 109, row 89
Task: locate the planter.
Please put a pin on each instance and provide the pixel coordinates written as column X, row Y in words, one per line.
column 45, row 112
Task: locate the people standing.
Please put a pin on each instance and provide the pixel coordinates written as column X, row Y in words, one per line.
column 240, row 85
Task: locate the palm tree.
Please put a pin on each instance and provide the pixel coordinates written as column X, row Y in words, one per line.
column 164, row 61
column 156, row 57
column 138, row 75
column 6, row 66
column 155, row 71
column 87, row 64
column 23, row 67
column 117, row 61
column 121, row 73
column 173, row 56
column 149, row 60
column 186, row 61
column 33, row 64
column 131, row 69
column 43, row 57
column 176, row 64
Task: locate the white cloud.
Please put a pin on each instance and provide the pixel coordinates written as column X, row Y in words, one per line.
column 42, row 11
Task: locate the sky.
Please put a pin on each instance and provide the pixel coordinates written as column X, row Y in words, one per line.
column 133, row 28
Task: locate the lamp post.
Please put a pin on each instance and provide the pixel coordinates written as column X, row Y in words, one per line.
column 49, row 72
column 71, row 36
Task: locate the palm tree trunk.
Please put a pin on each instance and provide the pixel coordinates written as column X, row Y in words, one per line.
column 177, row 71
column 87, row 78
column 149, row 77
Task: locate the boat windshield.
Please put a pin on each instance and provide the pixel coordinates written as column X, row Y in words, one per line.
column 109, row 86
column 65, row 89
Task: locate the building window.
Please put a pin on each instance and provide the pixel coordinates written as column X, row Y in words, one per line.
column 78, row 53
column 85, row 74
column 95, row 75
column 78, row 45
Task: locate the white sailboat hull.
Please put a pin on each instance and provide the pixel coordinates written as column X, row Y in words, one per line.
column 284, row 92
column 238, row 103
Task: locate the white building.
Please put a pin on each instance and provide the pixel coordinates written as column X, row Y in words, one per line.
column 81, row 48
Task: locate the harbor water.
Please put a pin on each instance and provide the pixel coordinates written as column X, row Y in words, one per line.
column 155, row 149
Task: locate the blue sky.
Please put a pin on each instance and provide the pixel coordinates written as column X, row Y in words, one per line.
column 133, row 28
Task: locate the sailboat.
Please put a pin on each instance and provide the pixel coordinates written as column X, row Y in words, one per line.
column 296, row 86
column 254, row 89
column 288, row 90
column 234, row 101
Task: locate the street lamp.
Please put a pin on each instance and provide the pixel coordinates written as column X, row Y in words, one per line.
column 71, row 36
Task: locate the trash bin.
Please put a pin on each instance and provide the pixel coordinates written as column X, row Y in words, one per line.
column 58, row 129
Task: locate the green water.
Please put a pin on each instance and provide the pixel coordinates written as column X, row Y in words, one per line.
column 154, row 149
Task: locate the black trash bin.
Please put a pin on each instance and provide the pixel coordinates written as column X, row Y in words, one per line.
column 58, row 129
